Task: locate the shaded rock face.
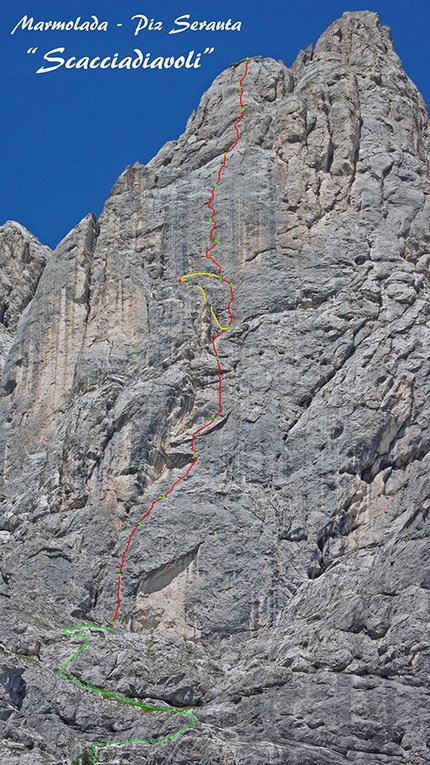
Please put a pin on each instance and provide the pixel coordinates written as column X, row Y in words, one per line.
column 283, row 589
column 22, row 260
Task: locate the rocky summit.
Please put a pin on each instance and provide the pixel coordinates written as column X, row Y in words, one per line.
column 281, row 593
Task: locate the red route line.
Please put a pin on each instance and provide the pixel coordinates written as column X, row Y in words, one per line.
column 206, row 425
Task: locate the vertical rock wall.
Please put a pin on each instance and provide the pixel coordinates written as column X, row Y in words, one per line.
column 282, row 590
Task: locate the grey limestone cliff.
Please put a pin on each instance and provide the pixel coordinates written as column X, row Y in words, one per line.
column 283, row 590
column 22, row 260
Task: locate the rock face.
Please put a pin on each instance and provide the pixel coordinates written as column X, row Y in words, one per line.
column 282, row 590
column 22, row 260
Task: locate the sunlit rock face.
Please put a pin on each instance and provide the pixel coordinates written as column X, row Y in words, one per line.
column 22, row 260
column 282, row 588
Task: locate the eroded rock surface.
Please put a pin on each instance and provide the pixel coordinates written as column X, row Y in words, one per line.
column 22, row 260
column 282, row 590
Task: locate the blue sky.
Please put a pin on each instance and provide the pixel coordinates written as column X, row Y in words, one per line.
column 66, row 135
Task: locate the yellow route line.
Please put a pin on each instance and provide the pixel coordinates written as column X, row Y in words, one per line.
column 213, row 314
column 201, row 288
column 199, row 273
column 205, row 273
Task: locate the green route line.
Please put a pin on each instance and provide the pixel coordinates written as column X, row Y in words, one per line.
column 80, row 631
column 77, row 632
